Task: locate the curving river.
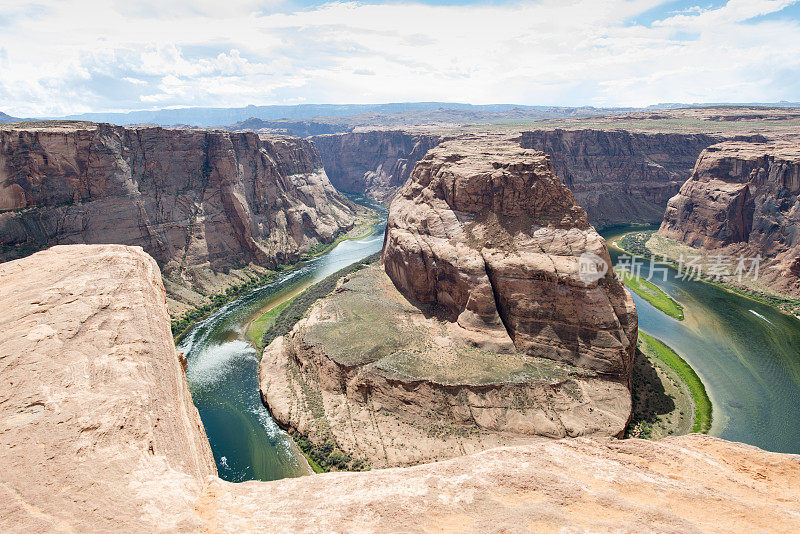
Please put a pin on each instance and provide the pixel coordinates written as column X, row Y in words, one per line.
column 747, row 353
column 223, row 370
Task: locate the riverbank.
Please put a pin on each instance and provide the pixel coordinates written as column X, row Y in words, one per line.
column 365, row 222
column 322, row 455
column 666, row 402
column 641, row 243
column 651, row 293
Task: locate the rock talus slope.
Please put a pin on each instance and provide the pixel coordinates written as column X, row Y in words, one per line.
column 493, row 336
column 98, row 434
column 744, row 199
column 200, row 202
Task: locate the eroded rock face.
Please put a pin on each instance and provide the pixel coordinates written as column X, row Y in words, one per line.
column 620, row 177
column 375, row 163
column 487, row 232
column 98, row 434
column 97, row 425
column 195, row 200
column 743, row 198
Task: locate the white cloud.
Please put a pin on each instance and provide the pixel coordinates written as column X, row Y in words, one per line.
column 73, row 56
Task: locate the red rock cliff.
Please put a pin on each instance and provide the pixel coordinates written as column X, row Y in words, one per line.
column 375, row 163
column 486, row 232
column 744, row 198
column 190, row 198
column 620, row 177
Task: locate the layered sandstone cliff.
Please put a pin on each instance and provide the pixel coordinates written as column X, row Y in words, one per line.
column 200, row 202
column 98, row 434
column 620, row 177
column 744, row 199
column 375, row 163
column 488, row 233
column 493, row 336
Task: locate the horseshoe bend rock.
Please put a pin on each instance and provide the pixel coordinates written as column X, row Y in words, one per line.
column 488, row 233
column 477, row 332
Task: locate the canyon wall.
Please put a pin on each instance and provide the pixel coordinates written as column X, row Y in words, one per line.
column 744, row 199
column 200, row 202
column 375, row 163
column 99, row 434
column 620, row 177
column 479, row 331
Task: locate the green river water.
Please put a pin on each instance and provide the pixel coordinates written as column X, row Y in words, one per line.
column 747, row 353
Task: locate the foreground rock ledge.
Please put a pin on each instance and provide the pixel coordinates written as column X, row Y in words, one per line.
column 98, row 434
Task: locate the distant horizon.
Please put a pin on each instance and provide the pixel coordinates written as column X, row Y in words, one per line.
column 178, row 108
column 70, row 57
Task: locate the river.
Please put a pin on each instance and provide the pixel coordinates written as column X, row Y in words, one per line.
column 223, row 370
column 747, row 353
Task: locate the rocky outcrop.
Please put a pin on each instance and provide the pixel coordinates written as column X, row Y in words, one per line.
column 743, row 199
column 487, row 233
column 200, row 202
column 620, row 177
column 493, row 336
column 98, row 434
column 375, row 163
column 97, row 425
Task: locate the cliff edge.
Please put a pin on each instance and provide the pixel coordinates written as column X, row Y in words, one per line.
column 213, row 208
column 743, row 199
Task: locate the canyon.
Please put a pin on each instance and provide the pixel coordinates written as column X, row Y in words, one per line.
column 618, row 177
column 99, row 434
column 478, row 331
column 743, row 199
column 213, row 208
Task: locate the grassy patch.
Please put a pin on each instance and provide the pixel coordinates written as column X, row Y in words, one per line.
column 283, row 323
column 654, row 348
column 257, row 328
column 652, row 294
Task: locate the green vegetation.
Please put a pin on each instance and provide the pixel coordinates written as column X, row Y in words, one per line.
column 653, row 348
column 322, row 248
column 652, row 294
column 257, row 328
column 636, row 243
column 296, row 308
column 181, row 324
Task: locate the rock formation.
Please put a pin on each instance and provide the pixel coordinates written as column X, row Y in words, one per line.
column 200, row 202
column 98, row 434
column 487, row 232
column 493, row 336
column 744, row 199
column 376, row 162
column 620, row 177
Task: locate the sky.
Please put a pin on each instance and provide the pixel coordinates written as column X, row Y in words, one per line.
column 60, row 57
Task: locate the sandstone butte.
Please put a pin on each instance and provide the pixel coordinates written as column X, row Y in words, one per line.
column 744, row 199
column 98, row 434
column 480, row 332
column 212, row 207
